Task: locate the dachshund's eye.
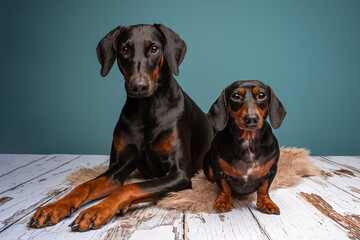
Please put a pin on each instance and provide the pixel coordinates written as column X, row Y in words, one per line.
column 235, row 96
column 261, row 95
column 154, row 49
column 124, row 50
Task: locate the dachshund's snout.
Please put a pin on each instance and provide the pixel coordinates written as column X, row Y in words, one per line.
column 251, row 117
column 251, row 120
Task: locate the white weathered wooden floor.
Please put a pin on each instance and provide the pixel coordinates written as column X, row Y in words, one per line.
column 322, row 207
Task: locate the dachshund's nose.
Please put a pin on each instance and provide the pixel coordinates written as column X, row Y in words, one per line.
column 139, row 86
column 251, row 120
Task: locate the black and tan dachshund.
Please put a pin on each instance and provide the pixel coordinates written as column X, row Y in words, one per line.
column 244, row 153
column 161, row 131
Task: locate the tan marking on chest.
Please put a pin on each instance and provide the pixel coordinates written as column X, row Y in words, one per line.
column 261, row 170
column 167, row 143
column 119, row 144
column 230, row 170
column 255, row 172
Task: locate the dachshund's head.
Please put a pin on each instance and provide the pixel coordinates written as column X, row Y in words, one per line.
column 246, row 104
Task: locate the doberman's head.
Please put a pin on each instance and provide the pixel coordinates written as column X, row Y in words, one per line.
column 247, row 104
column 143, row 53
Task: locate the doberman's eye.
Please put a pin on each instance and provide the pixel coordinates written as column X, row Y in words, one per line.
column 124, row 50
column 154, row 49
column 261, row 95
column 235, row 96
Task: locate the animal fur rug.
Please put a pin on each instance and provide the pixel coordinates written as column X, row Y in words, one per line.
column 293, row 164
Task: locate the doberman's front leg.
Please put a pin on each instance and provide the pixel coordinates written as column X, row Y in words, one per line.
column 121, row 165
column 96, row 216
column 53, row 212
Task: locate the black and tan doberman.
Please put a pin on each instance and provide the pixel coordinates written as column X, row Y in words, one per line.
column 161, row 131
column 244, row 153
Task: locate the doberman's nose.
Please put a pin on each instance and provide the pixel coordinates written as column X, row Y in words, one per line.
column 139, row 87
column 251, row 120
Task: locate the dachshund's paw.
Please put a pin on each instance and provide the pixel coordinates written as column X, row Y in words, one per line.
column 268, row 206
column 222, row 205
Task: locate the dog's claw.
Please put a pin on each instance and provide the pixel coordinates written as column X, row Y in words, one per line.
column 75, row 227
column 72, row 210
column 47, row 220
column 35, row 223
column 71, row 224
column 123, row 211
column 91, row 225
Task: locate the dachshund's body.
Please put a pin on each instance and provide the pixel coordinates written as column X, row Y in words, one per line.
column 244, row 153
column 161, row 131
column 250, row 159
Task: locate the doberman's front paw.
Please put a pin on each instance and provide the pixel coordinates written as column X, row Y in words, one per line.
column 268, row 206
column 222, row 205
column 92, row 218
column 51, row 214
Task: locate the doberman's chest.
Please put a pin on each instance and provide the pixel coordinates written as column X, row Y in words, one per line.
column 155, row 148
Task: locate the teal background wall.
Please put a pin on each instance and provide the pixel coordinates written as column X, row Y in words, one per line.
column 53, row 99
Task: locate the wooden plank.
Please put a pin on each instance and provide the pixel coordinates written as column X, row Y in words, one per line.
column 25, row 198
column 300, row 220
column 352, row 162
column 34, row 170
column 11, row 162
column 340, row 176
column 158, row 233
column 151, row 222
column 237, row 224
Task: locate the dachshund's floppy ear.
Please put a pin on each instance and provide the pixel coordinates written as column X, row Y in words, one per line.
column 276, row 111
column 218, row 113
column 106, row 50
column 175, row 48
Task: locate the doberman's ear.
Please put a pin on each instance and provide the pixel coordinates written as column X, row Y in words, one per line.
column 218, row 113
column 106, row 50
column 276, row 111
column 175, row 48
